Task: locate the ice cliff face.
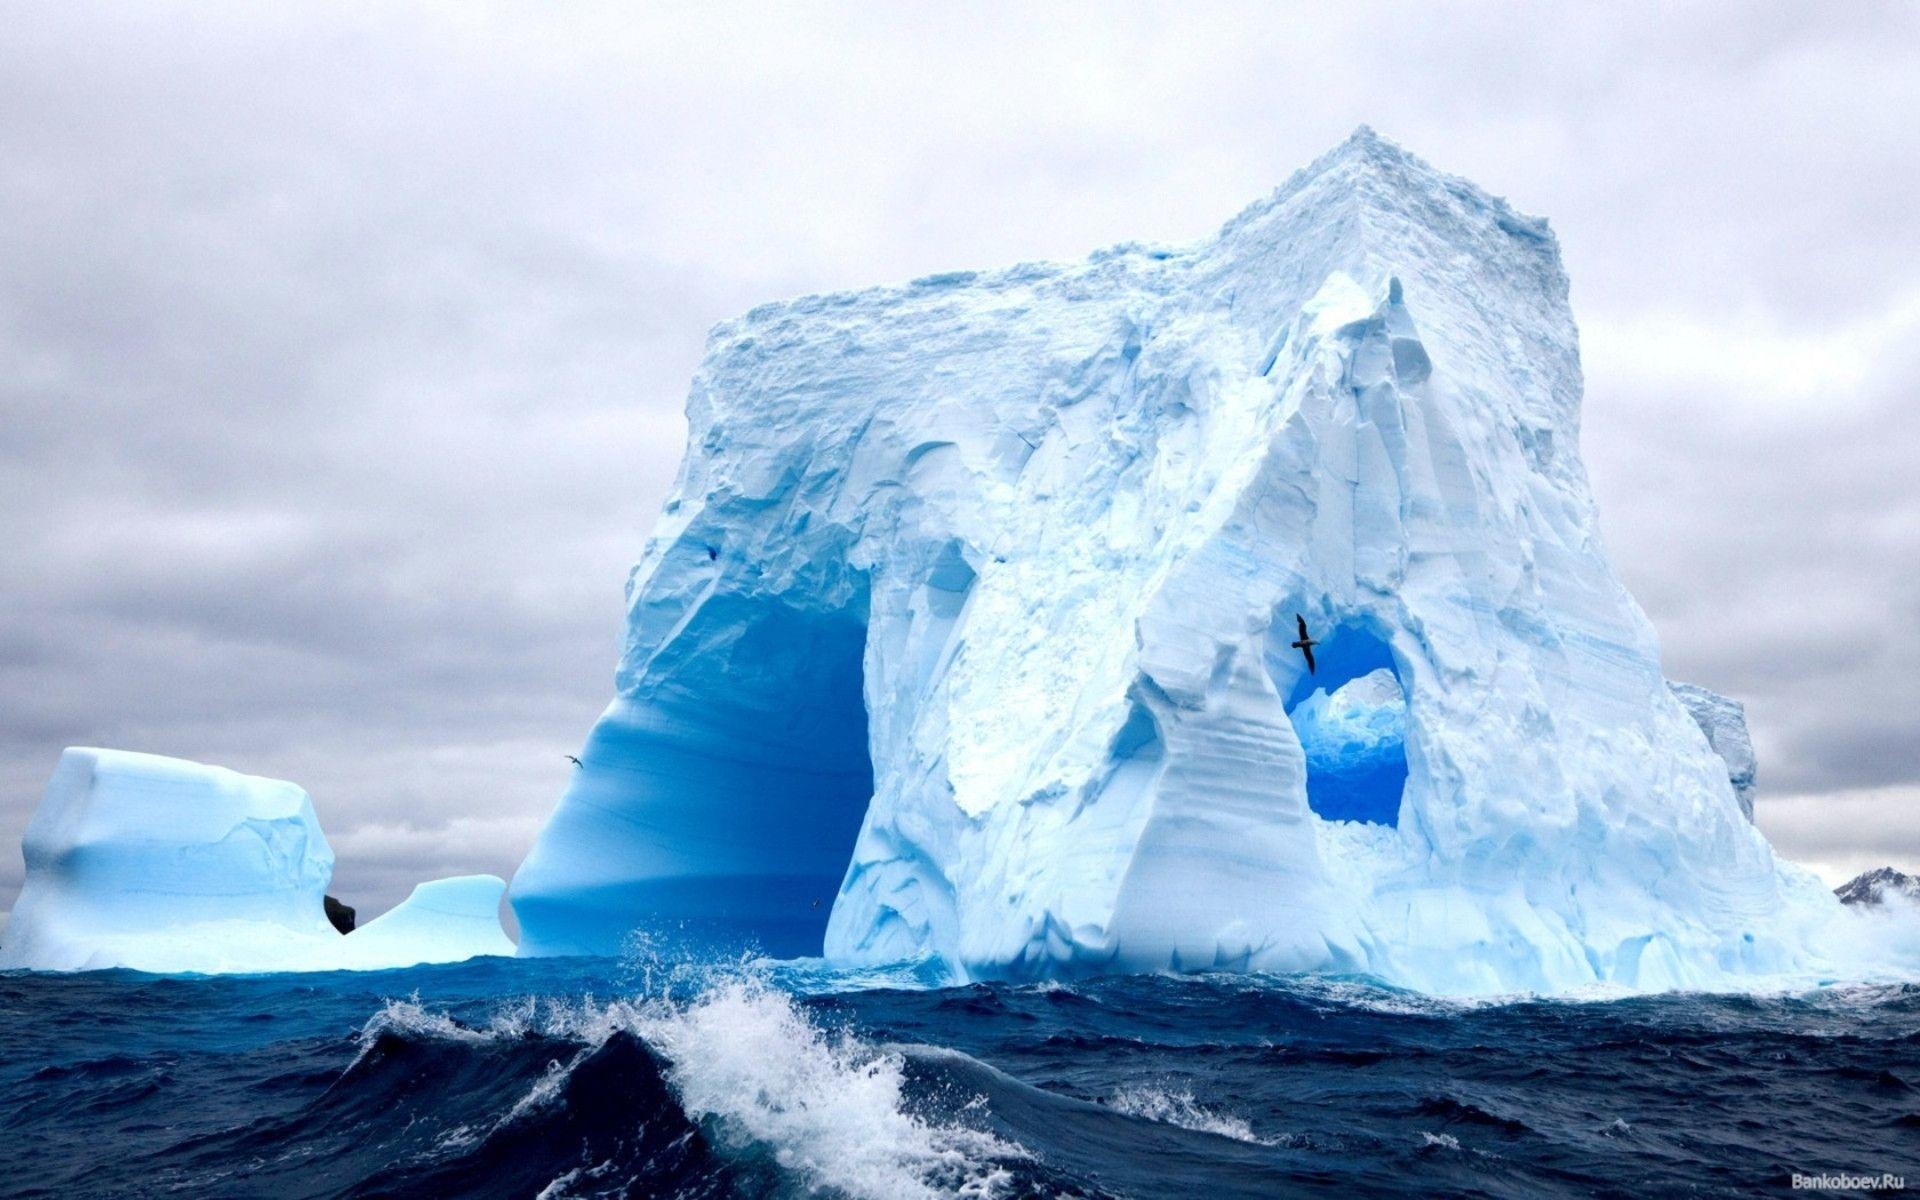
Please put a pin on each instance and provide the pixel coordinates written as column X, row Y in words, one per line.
column 1724, row 721
column 964, row 635
column 160, row 864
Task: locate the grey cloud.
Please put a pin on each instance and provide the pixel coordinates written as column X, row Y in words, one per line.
column 342, row 351
column 1843, row 833
column 1777, row 553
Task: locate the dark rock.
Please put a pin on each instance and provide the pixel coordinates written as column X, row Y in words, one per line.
column 340, row 915
column 1873, row 887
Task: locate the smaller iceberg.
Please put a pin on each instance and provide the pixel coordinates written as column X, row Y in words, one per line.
column 164, row 865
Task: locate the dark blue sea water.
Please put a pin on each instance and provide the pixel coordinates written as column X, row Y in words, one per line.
column 598, row 1078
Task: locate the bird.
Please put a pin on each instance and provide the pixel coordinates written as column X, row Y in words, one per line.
column 1306, row 644
column 576, row 762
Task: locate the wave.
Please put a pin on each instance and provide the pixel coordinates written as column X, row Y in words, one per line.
column 739, row 1077
column 1176, row 1106
column 831, row 1108
column 721, row 1080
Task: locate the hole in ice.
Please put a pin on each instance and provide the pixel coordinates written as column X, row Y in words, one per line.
column 796, row 772
column 723, row 809
column 1351, row 718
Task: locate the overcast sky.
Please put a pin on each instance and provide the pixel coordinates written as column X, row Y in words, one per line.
column 343, row 347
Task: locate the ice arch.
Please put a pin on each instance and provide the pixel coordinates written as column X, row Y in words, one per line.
column 719, row 803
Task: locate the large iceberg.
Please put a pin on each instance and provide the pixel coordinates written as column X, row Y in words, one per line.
column 160, row 864
column 964, row 637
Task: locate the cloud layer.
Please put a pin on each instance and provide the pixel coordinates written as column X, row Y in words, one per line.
column 342, row 349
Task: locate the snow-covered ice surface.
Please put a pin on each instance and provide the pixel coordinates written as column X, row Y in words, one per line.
column 160, row 864
column 963, row 638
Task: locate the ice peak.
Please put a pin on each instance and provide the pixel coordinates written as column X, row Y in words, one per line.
column 1366, row 144
column 1365, row 151
column 1371, row 174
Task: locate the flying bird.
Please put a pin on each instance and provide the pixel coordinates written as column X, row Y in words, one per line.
column 1306, row 644
column 573, row 760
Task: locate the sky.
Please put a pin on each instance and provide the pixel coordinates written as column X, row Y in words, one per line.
column 343, row 347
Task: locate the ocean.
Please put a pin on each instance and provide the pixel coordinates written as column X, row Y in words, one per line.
column 642, row 1078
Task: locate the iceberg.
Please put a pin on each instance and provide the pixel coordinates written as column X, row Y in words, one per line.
column 963, row 638
column 156, row 863
column 160, row 864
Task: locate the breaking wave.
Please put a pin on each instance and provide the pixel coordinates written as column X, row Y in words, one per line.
column 750, row 1082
